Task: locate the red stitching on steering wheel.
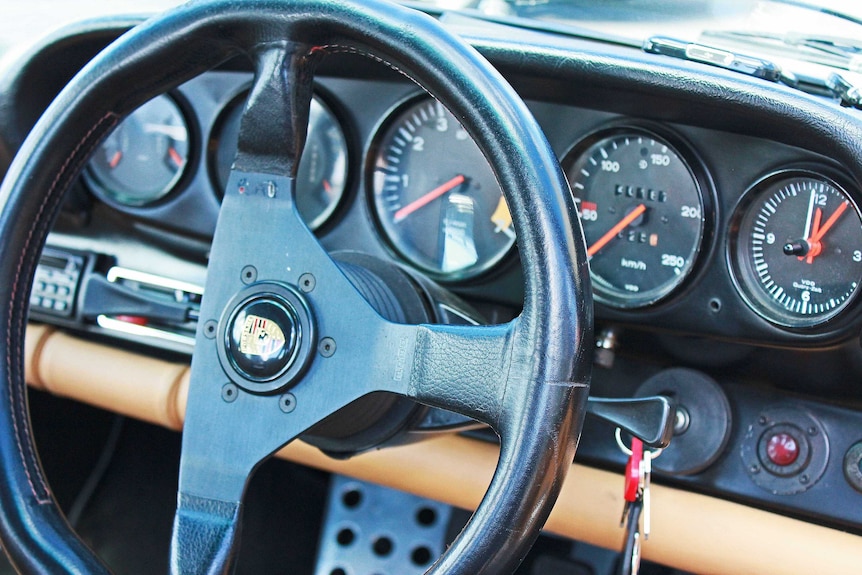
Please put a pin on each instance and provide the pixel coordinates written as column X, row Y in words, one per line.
column 27, row 450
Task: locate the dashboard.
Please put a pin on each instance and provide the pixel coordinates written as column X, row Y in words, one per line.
column 682, row 234
column 724, row 231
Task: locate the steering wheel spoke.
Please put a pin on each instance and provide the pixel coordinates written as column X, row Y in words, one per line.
column 464, row 369
column 204, row 535
column 274, row 123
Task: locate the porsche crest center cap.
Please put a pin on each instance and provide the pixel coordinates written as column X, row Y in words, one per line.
column 263, row 338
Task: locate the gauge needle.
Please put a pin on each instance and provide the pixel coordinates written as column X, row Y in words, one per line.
column 426, row 199
column 177, row 133
column 818, row 232
column 818, row 235
column 809, row 230
column 611, row 233
column 813, row 247
column 176, row 157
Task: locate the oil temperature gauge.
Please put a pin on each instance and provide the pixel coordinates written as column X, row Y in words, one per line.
column 142, row 160
column 796, row 248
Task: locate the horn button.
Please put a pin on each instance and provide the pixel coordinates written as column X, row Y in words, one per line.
column 266, row 337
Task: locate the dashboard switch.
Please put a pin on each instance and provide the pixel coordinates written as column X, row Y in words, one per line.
column 785, row 450
column 782, row 449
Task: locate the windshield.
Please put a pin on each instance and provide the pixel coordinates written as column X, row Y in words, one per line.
column 806, row 38
column 685, row 19
column 824, row 32
column 24, row 22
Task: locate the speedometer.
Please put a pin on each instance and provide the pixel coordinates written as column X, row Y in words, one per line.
column 642, row 209
column 435, row 197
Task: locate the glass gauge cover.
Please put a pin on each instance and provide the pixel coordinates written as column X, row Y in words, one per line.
column 643, row 214
column 145, row 156
column 435, row 196
column 796, row 248
column 322, row 176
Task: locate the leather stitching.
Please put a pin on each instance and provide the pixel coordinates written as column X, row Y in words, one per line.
column 26, row 450
column 342, row 49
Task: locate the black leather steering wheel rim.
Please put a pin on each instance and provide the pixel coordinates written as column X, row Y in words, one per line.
column 538, row 408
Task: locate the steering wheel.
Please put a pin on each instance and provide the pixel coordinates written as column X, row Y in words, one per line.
column 284, row 338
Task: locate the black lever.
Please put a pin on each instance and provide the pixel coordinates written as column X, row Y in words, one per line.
column 650, row 419
column 109, row 298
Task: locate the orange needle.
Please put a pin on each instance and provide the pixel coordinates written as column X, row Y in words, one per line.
column 830, row 222
column 816, row 236
column 611, row 233
column 176, row 157
column 426, row 199
column 115, row 159
column 813, row 247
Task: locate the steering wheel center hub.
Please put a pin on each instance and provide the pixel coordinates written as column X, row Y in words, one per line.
column 266, row 338
column 262, row 338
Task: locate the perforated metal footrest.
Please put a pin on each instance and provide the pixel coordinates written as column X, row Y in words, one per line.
column 373, row 530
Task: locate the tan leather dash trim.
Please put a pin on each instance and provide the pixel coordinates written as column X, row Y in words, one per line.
column 115, row 380
column 34, row 342
column 689, row 531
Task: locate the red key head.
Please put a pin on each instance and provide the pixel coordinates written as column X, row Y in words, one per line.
column 633, row 470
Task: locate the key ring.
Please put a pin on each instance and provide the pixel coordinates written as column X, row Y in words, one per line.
column 618, row 435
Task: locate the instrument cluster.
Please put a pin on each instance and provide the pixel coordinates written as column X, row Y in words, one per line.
column 653, row 218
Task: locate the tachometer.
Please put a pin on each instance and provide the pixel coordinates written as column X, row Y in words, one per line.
column 643, row 213
column 435, row 197
column 796, row 248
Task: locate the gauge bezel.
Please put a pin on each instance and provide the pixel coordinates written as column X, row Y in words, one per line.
column 180, row 180
column 705, row 189
column 328, row 216
column 742, row 276
column 476, row 273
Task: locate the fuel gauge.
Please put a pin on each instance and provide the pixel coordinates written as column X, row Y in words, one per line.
column 145, row 156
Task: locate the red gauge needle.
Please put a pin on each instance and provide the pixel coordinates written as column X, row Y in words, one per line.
column 426, row 199
column 176, row 157
column 611, row 233
column 830, row 222
column 813, row 247
column 115, row 159
column 817, row 232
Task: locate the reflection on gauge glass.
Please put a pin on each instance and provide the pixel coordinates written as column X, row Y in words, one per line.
column 144, row 157
column 322, row 176
column 435, row 196
column 642, row 211
column 796, row 248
